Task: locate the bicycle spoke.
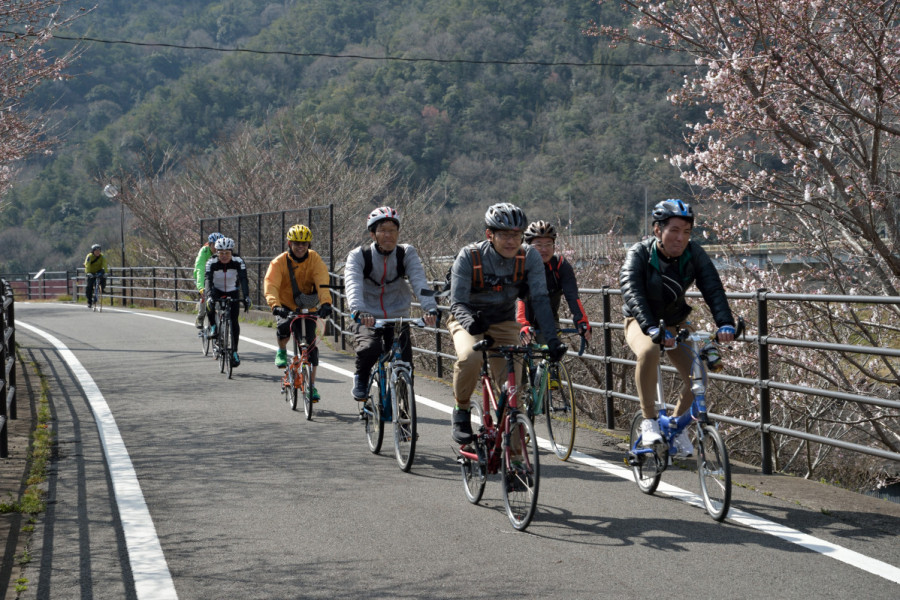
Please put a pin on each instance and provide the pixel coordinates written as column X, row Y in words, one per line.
column 645, row 466
column 405, row 433
column 559, row 406
column 521, row 472
column 714, row 470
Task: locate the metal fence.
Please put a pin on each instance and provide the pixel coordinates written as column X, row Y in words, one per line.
column 8, row 362
column 598, row 376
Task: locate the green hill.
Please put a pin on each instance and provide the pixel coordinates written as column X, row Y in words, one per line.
column 555, row 138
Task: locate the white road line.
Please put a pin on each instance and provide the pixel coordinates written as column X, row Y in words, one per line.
column 152, row 579
column 850, row 557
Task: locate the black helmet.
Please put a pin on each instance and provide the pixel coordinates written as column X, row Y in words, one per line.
column 505, row 216
column 672, row 208
column 540, row 229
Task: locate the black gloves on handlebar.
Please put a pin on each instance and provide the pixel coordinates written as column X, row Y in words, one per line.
column 247, row 304
column 280, row 311
column 473, row 323
column 324, row 311
column 557, row 350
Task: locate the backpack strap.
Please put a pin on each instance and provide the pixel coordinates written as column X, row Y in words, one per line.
column 295, row 289
column 518, row 275
column 477, row 270
column 367, row 264
column 519, row 269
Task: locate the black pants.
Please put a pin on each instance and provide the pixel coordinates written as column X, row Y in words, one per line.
column 370, row 343
column 235, row 310
column 91, row 282
column 302, row 329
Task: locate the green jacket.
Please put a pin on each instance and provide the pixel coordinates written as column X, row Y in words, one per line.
column 200, row 265
column 92, row 263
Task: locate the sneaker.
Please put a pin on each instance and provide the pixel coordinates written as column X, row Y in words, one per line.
column 359, row 389
column 281, row 359
column 198, row 322
column 683, row 444
column 90, row 306
column 462, row 426
column 314, row 394
column 235, row 359
column 212, row 331
column 650, row 432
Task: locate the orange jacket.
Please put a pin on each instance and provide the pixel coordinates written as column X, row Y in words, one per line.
column 311, row 275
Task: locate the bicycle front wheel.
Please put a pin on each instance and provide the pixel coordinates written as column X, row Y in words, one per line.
column 521, row 472
column 474, row 472
column 559, row 410
column 372, row 412
column 204, row 341
column 715, row 472
column 306, row 379
column 404, row 421
column 646, row 467
column 226, row 347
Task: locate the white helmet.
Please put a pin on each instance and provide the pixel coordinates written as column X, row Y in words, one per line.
column 224, row 243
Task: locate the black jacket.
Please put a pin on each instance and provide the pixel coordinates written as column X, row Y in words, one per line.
column 648, row 300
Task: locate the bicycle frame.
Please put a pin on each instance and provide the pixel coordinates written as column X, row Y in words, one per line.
column 494, row 436
column 390, row 364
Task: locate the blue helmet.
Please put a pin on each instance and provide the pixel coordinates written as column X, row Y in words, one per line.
column 667, row 209
column 213, row 237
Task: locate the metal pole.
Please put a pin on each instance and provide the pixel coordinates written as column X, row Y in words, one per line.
column 607, row 355
column 765, row 407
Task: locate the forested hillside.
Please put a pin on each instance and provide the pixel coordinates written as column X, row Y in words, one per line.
column 556, row 139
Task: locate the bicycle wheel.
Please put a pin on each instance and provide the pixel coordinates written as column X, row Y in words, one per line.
column 98, row 299
column 715, row 472
column 372, row 411
column 559, row 408
column 221, row 342
column 645, row 466
column 204, row 341
column 306, row 380
column 521, row 472
column 404, row 421
column 226, row 347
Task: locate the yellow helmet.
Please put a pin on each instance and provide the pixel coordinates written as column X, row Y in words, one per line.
column 299, row 233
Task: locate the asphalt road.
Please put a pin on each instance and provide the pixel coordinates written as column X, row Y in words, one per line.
column 203, row 487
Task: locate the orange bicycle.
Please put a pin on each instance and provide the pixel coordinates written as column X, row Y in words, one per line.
column 297, row 378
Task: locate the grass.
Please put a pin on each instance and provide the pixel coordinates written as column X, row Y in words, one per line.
column 33, row 500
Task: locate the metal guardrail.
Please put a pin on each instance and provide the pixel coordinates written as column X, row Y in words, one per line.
column 173, row 287
column 8, row 362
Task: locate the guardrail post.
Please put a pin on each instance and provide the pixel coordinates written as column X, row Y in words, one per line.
column 175, row 285
column 438, row 350
column 765, row 406
column 607, row 354
column 153, row 277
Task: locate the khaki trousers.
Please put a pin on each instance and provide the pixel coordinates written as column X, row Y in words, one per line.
column 647, row 361
column 467, row 369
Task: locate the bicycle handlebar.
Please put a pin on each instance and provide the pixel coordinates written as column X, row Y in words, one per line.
column 382, row 323
column 584, row 341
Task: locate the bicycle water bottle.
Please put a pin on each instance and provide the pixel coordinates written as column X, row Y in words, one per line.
column 713, row 359
column 539, row 377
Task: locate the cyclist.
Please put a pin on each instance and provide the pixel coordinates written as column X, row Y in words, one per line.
column 375, row 286
column 203, row 257
column 226, row 275
column 95, row 268
column 295, row 279
column 656, row 274
column 561, row 281
column 485, row 280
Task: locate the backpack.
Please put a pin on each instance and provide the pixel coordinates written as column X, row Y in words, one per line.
column 367, row 265
column 497, row 284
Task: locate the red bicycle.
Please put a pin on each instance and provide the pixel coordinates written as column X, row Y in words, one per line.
column 297, row 378
column 509, row 445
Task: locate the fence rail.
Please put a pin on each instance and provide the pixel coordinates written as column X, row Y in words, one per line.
column 8, row 362
column 173, row 288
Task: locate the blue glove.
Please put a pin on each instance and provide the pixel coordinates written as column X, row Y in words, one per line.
column 657, row 336
column 725, row 329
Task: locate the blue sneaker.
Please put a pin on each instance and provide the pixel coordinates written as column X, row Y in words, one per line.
column 212, row 331
column 314, row 394
column 235, row 359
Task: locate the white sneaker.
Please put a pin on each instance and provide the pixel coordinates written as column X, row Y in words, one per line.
column 683, row 444
column 649, row 432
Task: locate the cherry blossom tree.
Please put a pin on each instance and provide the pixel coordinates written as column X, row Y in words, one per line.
column 25, row 29
column 799, row 144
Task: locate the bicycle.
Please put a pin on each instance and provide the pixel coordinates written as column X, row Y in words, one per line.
column 97, row 300
column 549, row 397
column 297, row 378
column 509, row 446
column 713, row 466
column 221, row 340
column 396, row 401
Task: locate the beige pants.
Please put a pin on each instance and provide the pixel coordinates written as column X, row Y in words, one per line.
column 647, row 361
column 467, row 369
